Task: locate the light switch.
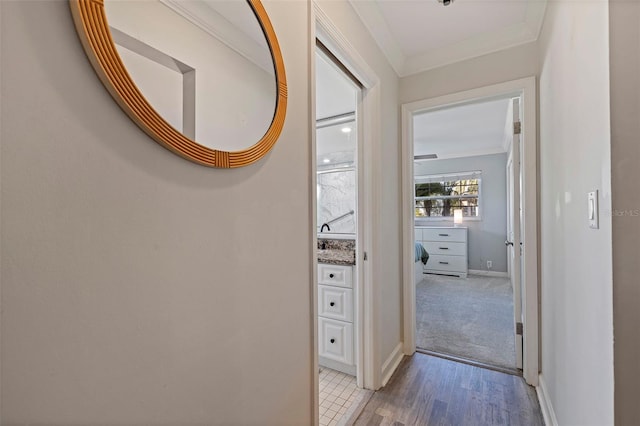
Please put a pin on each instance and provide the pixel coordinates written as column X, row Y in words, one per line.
column 593, row 210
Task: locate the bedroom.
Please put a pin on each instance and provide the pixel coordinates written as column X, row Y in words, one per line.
column 463, row 231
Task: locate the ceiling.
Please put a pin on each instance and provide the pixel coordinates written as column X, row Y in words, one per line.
column 417, row 35
column 463, row 131
column 336, row 94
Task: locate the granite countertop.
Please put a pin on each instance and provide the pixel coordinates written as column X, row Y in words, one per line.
column 337, row 257
column 336, row 251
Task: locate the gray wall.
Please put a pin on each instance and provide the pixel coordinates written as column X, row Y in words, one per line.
column 624, row 27
column 486, row 236
column 576, row 266
column 137, row 287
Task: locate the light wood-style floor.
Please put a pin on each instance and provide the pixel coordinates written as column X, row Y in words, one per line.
column 427, row 390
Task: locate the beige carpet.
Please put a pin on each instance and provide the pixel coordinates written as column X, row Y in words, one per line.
column 466, row 317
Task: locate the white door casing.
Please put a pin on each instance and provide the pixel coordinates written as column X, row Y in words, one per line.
column 525, row 89
column 514, row 227
column 367, row 290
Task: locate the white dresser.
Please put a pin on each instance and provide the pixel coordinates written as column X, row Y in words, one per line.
column 447, row 248
column 336, row 343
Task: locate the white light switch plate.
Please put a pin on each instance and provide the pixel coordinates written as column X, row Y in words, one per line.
column 592, row 210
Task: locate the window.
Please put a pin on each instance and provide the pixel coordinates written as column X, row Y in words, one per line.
column 437, row 196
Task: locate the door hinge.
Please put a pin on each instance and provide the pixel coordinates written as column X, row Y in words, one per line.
column 517, row 127
column 365, row 255
column 519, row 328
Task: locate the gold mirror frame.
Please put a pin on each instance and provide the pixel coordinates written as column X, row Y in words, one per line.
column 92, row 27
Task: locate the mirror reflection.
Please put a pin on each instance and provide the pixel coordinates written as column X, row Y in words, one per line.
column 204, row 66
column 336, row 142
column 336, row 181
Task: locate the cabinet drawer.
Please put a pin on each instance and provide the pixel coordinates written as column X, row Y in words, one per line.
column 447, row 263
column 418, row 234
column 445, row 234
column 335, row 340
column 445, row 248
column 335, row 303
column 334, row 275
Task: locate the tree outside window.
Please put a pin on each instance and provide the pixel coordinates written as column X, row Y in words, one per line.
column 437, row 196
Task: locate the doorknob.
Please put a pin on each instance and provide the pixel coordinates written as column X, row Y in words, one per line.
column 508, row 243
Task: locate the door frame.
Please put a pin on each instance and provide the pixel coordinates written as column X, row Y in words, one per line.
column 514, row 216
column 367, row 242
column 526, row 89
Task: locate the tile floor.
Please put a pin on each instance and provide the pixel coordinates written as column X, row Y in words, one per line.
column 337, row 392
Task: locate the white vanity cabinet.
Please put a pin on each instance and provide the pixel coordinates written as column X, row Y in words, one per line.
column 447, row 248
column 336, row 337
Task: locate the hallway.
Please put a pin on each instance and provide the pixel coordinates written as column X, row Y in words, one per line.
column 427, row 390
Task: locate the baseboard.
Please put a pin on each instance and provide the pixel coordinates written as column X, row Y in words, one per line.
column 392, row 363
column 546, row 407
column 488, row 273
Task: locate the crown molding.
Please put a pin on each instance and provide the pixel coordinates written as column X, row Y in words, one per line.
column 216, row 25
column 483, row 44
column 372, row 18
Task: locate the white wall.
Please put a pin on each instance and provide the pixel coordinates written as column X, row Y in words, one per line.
column 624, row 27
column 137, row 287
column 487, row 235
column 576, row 265
column 231, row 91
column 505, row 65
column 387, row 174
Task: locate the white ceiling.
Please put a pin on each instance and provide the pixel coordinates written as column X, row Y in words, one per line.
column 463, row 131
column 417, row 35
column 335, row 93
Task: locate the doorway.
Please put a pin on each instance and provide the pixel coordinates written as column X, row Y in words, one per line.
column 339, row 288
column 523, row 317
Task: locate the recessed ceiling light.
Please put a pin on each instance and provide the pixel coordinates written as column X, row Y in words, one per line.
column 326, row 160
column 346, row 130
column 445, row 2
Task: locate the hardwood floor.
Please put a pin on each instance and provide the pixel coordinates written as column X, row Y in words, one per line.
column 427, row 390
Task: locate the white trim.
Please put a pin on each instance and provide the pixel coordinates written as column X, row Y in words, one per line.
column 548, row 413
column 315, row 362
column 526, row 88
column 482, row 273
column 478, row 45
column 371, row 16
column 390, row 365
column 215, row 24
column 368, row 295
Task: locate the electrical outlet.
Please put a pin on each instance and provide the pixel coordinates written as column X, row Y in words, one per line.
column 489, row 264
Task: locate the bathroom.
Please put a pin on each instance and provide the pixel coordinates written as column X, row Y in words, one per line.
column 341, row 394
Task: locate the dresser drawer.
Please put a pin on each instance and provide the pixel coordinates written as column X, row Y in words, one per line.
column 335, row 340
column 444, row 234
column 445, row 248
column 337, row 275
column 335, row 303
column 447, row 263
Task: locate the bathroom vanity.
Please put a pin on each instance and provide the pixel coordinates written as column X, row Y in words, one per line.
column 336, row 308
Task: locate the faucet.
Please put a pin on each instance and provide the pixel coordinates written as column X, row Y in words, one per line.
column 322, row 227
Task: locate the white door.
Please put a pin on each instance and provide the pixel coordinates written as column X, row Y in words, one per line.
column 514, row 220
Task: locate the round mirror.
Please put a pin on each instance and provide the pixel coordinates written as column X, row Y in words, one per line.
column 203, row 78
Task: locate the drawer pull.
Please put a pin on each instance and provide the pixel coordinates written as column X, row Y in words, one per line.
column 330, row 275
column 332, row 304
column 332, row 340
column 443, row 248
column 444, row 263
column 443, row 235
